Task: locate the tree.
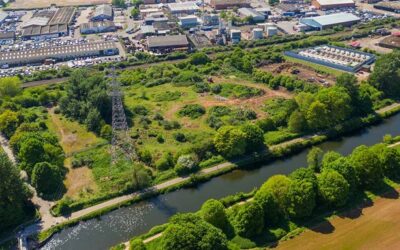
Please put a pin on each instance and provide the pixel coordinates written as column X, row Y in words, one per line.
column 272, row 196
column 300, row 199
column 140, row 178
column 190, row 232
column 390, row 160
column 119, row 3
column 137, row 244
column 106, row 132
column 14, row 195
column 304, row 174
column 367, row 166
column 94, row 121
column 314, row 158
column 329, row 157
column 254, row 137
column 333, row 188
column 135, row 13
column 8, row 123
column 186, row 164
column 9, row 87
column 266, row 124
column 230, row 141
column 214, row 213
column 31, row 152
column 46, row 178
column 317, row 116
column 297, row 122
column 165, row 162
column 343, row 166
column 386, row 75
column 248, row 221
column 199, row 58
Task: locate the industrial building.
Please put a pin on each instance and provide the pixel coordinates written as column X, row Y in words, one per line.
column 98, row 27
column 210, row 20
column 43, row 32
column 63, row 15
column 188, row 8
column 228, row 4
column 157, row 1
column 162, row 44
column 333, row 4
column 335, row 57
column 102, row 12
column 248, row 12
column 388, row 6
column 329, row 21
column 58, row 53
column 188, row 21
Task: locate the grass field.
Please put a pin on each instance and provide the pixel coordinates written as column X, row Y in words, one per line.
column 320, row 68
column 374, row 227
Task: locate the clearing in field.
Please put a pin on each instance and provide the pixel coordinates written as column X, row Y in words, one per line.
column 38, row 4
column 302, row 71
column 317, row 67
column 374, row 227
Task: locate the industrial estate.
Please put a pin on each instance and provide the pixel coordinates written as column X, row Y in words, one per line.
column 205, row 124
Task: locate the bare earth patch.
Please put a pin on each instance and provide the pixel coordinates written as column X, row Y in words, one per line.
column 79, row 180
column 305, row 73
column 374, row 227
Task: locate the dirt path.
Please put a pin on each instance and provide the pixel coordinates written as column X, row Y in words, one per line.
column 376, row 227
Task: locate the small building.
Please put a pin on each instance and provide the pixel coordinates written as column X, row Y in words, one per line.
column 98, row 27
column 188, row 8
column 236, row 36
column 152, row 20
column 333, row 4
column 228, row 4
column 329, row 21
column 44, row 32
column 188, row 21
column 148, row 11
column 165, row 44
column 257, row 34
column 7, row 38
column 248, row 12
column 272, row 31
column 102, row 12
column 210, row 20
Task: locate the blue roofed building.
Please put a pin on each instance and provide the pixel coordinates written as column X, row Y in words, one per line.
column 329, row 21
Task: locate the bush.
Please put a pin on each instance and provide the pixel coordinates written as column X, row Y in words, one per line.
column 186, row 164
column 137, row 244
column 165, row 162
column 248, row 221
column 333, row 188
column 46, row 178
column 213, row 212
column 160, row 138
column 180, row 137
column 192, row 110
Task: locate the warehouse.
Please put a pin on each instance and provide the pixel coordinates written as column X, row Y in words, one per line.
column 164, row 44
column 329, row 21
column 228, row 4
column 58, row 53
column 63, row 16
column 188, row 21
column 248, row 12
column 335, row 57
column 43, row 32
column 97, row 27
column 388, row 6
column 183, row 8
column 333, row 4
column 102, row 12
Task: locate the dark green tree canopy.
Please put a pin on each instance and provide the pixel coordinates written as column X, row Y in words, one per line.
column 333, row 188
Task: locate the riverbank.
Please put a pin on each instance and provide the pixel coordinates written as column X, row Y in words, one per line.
column 221, row 169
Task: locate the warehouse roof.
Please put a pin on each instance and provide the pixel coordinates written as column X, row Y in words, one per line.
column 7, row 35
column 54, row 51
column 161, row 41
column 36, row 30
column 184, row 6
column 249, row 12
column 103, row 10
column 63, row 16
column 91, row 25
column 3, row 16
column 333, row 19
column 335, row 2
column 36, row 21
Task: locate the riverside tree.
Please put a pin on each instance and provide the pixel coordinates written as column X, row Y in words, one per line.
column 333, row 189
column 213, row 211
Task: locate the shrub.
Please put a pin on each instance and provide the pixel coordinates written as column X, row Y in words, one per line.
column 165, row 162
column 186, row 164
column 192, row 110
column 137, row 244
column 160, row 138
column 213, row 212
column 180, row 137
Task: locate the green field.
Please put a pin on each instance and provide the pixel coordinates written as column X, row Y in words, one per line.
column 317, row 67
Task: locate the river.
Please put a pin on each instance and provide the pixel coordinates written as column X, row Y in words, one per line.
column 122, row 224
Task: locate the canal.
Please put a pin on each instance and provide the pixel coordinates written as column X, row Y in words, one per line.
column 122, row 224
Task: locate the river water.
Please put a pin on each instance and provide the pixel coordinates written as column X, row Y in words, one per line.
column 122, row 224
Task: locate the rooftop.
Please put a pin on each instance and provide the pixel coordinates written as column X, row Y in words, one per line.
column 7, row 35
column 103, row 9
column 63, row 16
column 184, row 6
column 333, row 19
column 36, row 21
column 160, row 41
column 3, row 16
column 35, row 30
column 334, row 2
column 249, row 12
